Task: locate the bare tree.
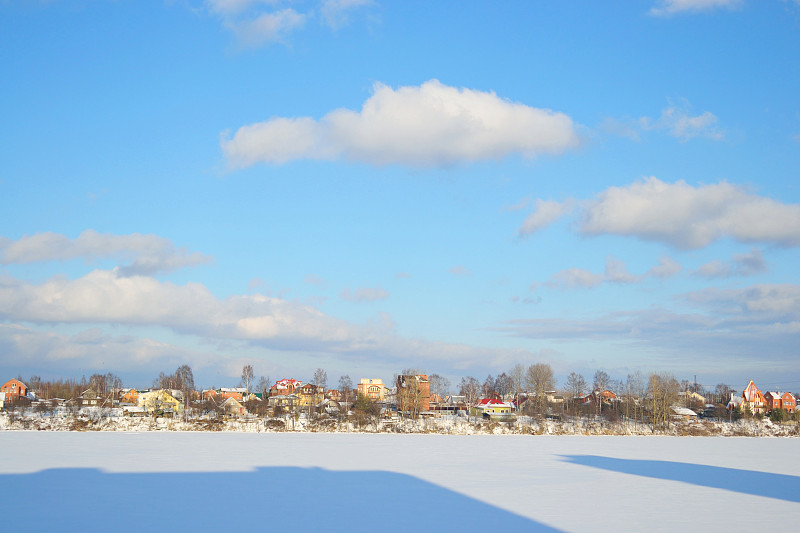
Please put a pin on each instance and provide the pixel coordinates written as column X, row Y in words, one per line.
column 184, row 380
column 663, row 391
column 439, row 385
column 470, row 388
column 487, row 390
column 247, row 376
column 539, row 379
column 264, row 384
column 602, row 381
column 346, row 390
column 575, row 387
column 320, row 378
column 518, row 377
column 503, row 384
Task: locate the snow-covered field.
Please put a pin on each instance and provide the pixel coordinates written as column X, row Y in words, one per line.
column 182, row 481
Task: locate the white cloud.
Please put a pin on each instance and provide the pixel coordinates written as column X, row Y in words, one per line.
column 666, row 268
column 741, row 265
column 459, row 270
column 313, row 279
column 364, row 294
column 430, row 125
column 755, row 327
column 775, row 301
column 615, row 272
column 670, row 7
column 23, row 346
column 257, row 22
column 574, row 278
column 149, row 254
column 335, row 13
column 266, row 28
column 254, row 320
column 677, row 122
column 236, row 6
column 690, row 217
column 545, row 213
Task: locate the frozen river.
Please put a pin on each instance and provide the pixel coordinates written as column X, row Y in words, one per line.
column 359, row 482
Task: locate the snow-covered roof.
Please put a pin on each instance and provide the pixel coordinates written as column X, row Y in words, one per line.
column 682, row 411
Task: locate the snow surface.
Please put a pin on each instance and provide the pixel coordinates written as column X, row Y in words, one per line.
column 100, row 481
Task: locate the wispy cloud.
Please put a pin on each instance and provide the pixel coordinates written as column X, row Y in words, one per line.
column 741, row 265
column 544, row 214
column 459, row 270
column 266, row 27
column 616, row 271
column 364, row 294
column 431, row 125
column 729, row 328
column 149, row 254
column 676, row 120
column 671, row 7
column 255, row 23
column 336, row 13
column 687, row 217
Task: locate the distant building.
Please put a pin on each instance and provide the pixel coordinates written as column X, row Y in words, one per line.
column 780, row 400
column 413, row 393
column 492, row 408
column 372, row 389
column 753, row 399
column 284, row 387
column 14, row 388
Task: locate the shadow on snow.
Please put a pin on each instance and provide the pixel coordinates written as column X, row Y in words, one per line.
column 778, row 486
column 92, row 500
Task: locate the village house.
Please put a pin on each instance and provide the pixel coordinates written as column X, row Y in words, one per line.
column 333, row 394
column 130, row 397
column 780, row 400
column 231, row 407
column 309, row 395
column 285, row 387
column 14, row 389
column 753, row 400
column 372, row 389
column 492, row 408
column 413, row 393
column 160, row 402
column 90, row 398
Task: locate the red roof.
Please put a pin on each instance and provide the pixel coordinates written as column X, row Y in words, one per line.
column 490, row 401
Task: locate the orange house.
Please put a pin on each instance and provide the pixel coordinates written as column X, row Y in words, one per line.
column 131, row 397
column 780, row 400
column 14, row 388
column 753, row 399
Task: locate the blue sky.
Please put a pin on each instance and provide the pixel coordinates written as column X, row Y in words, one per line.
column 366, row 186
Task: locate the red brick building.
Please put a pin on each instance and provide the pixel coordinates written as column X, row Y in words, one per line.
column 14, row 388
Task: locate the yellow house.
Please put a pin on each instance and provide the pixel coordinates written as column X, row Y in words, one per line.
column 159, row 400
column 372, row 389
column 492, row 408
column 309, row 395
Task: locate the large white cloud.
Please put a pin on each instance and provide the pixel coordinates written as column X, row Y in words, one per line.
column 104, row 298
column 670, row 7
column 149, row 254
column 682, row 215
column 429, row 125
column 690, row 217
